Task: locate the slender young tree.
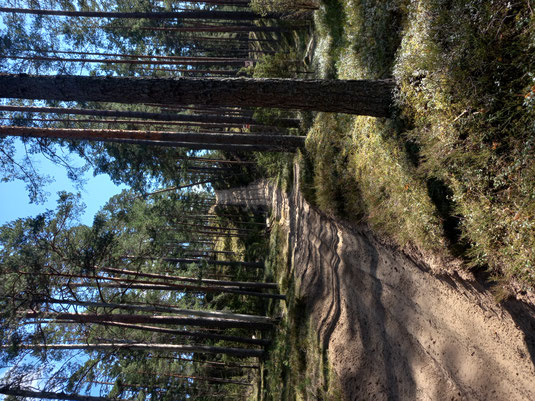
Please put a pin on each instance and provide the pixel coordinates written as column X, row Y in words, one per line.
column 273, row 141
column 171, row 117
column 236, row 352
column 180, row 15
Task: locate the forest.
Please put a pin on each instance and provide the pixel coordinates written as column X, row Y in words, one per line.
column 166, row 295
column 412, row 118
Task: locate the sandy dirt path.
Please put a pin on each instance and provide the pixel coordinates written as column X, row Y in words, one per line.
column 394, row 327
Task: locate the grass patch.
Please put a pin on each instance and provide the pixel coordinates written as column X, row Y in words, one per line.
column 466, row 74
column 454, row 170
column 277, row 166
column 329, row 22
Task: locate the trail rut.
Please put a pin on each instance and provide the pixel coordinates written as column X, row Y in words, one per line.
column 394, row 328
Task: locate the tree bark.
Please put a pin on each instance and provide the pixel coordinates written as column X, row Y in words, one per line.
column 237, row 352
column 229, row 73
column 267, row 139
column 154, row 319
column 160, row 191
column 206, row 126
column 207, row 362
column 201, row 146
column 200, row 378
column 128, row 56
column 150, row 285
column 185, row 61
column 165, row 309
column 364, row 97
column 215, row 229
column 194, row 14
column 186, row 333
column 257, row 265
column 241, row 284
column 164, row 287
column 289, row 122
column 218, row 28
column 230, row 40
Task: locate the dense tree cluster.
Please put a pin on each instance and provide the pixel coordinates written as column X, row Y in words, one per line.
column 142, row 303
column 164, row 296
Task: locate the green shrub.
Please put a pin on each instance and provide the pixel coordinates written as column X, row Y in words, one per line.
column 279, row 65
column 281, row 6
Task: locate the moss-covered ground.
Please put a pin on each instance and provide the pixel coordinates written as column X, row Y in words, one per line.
column 454, row 170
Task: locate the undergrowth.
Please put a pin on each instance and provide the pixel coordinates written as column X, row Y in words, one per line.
column 453, row 170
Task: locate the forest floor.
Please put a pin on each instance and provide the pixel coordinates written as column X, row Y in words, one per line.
column 392, row 323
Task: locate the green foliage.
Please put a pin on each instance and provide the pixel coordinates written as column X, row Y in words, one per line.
column 32, row 248
column 279, row 65
column 53, row 268
column 365, row 175
column 276, row 165
column 329, row 23
column 279, row 6
column 140, row 167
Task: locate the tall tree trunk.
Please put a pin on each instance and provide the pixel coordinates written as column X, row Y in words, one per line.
column 205, row 126
column 185, row 61
column 267, row 139
column 257, row 265
column 218, row 28
column 201, row 146
column 160, row 191
column 184, row 288
column 199, row 378
column 363, row 97
column 230, row 73
column 241, row 284
column 116, row 55
column 154, row 319
column 207, row 362
column 152, row 285
column 165, row 309
column 164, row 386
column 214, row 229
column 199, row 335
column 218, row 234
column 229, row 40
column 209, row 110
column 237, row 352
column 209, row 160
column 291, row 123
column 179, row 15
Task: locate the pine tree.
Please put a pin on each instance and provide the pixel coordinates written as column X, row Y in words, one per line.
column 372, row 98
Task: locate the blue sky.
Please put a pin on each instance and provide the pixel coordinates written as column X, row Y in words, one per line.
column 14, row 201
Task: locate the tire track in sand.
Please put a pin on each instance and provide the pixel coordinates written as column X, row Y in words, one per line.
column 395, row 327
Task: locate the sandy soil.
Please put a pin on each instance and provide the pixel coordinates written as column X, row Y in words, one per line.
column 399, row 326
